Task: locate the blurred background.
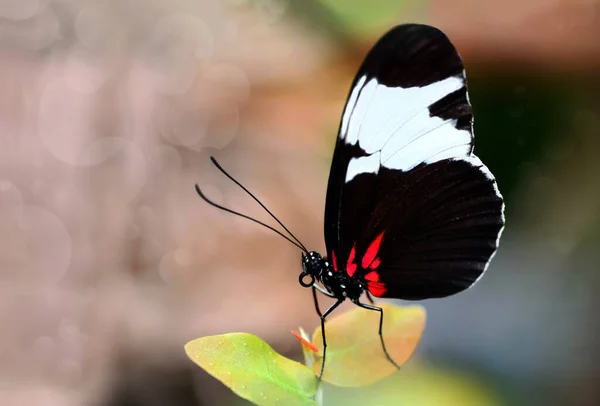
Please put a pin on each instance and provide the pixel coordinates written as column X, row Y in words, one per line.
column 109, row 262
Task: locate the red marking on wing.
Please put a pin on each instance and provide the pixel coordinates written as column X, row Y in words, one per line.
column 351, row 266
column 334, row 261
column 372, row 251
column 375, row 264
column 375, row 287
column 372, row 276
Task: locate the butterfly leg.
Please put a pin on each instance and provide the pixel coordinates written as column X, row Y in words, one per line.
column 314, row 293
column 327, row 312
column 369, row 297
column 324, row 291
column 380, row 310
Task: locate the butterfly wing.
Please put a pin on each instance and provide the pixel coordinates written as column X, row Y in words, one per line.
column 410, row 208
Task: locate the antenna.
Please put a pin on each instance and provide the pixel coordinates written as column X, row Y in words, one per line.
column 297, row 242
column 214, row 161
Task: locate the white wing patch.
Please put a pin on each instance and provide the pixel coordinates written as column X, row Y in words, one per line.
column 365, row 101
column 364, row 164
column 351, row 103
column 395, row 122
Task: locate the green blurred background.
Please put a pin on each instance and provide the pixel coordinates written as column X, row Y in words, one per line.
column 109, row 262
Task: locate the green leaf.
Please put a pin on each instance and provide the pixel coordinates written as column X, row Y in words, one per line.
column 253, row 370
column 354, row 353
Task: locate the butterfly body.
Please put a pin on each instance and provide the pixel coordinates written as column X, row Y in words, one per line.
column 411, row 213
column 338, row 284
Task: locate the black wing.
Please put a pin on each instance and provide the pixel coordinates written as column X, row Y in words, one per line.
column 409, row 207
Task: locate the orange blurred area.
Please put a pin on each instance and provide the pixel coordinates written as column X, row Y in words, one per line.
column 543, row 33
column 110, row 262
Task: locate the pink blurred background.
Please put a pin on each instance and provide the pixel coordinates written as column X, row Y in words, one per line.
column 109, row 261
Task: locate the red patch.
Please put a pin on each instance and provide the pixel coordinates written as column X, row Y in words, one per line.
column 372, row 276
column 351, row 266
column 376, row 288
column 334, row 261
column 375, row 264
column 371, row 253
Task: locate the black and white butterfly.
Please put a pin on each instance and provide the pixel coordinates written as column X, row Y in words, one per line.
column 411, row 213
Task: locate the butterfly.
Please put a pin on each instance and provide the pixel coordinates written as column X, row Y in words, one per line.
column 411, row 213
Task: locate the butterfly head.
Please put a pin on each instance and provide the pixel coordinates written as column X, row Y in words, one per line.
column 313, row 266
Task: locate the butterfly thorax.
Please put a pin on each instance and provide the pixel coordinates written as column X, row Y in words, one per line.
column 342, row 285
column 339, row 284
